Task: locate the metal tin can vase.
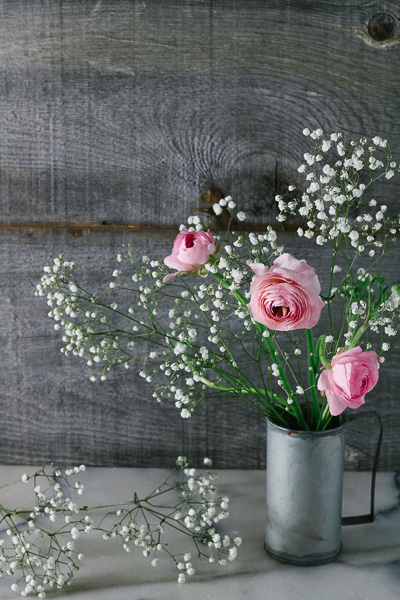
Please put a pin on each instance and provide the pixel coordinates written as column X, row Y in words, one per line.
column 304, row 494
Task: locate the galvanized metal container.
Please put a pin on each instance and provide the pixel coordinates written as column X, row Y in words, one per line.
column 304, row 494
column 304, row 491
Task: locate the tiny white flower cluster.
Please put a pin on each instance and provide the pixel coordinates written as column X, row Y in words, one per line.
column 334, row 186
column 196, row 514
column 379, row 310
column 227, row 204
column 41, row 560
column 45, row 559
column 83, row 316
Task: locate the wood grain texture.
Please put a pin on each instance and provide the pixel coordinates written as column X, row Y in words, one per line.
column 121, row 114
column 124, row 112
column 51, row 411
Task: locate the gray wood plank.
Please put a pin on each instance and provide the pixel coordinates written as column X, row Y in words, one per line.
column 124, row 112
column 51, row 411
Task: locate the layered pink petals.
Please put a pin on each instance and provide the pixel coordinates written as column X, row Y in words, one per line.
column 286, row 296
column 191, row 250
column 353, row 374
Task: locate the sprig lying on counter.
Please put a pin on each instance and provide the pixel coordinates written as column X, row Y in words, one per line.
column 38, row 544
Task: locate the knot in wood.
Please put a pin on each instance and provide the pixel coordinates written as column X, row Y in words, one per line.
column 382, row 27
column 211, row 196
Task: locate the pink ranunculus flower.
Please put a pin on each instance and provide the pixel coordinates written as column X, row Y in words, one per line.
column 353, row 374
column 191, row 250
column 286, row 296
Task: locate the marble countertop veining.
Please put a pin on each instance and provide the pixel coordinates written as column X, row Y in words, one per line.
column 368, row 567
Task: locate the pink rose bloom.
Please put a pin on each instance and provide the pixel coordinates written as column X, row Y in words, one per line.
column 191, row 250
column 286, row 296
column 353, row 374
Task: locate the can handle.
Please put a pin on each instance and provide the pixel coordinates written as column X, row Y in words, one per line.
column 369, row 518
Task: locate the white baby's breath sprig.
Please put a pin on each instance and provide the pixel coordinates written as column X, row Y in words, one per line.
column 42, row 554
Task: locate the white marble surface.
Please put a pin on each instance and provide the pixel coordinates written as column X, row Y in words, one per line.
column 368, row 567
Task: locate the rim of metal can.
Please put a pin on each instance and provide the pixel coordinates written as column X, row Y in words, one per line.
column 299, row 433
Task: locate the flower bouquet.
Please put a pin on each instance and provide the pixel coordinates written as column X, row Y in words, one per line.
column 237, row 315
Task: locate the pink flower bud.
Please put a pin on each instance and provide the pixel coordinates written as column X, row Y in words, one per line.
column 191, row 250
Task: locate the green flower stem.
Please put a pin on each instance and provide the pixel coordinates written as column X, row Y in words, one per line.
column 287, row 363
column 311, row 376
column 271, row 349
column 226, row 285
column 321, row 346
column 286, row 384
column 8, row 514
column 97, row 302
column 322, row 412
column 249, row 390
column 359, row 333
column 327, row 417
column 335, row 253
column 340, row 334
column 364, row 326
column 232, row 390
column 224, row 388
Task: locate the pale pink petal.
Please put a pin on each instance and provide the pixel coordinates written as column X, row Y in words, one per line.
column 191, row 250
column 352, row 352
column 342, row 378
column 287, row 261
column 325, row 383
column 258, row 268
column 336, row 406
column 171, row 276
column 355, row 402
column 172, row 262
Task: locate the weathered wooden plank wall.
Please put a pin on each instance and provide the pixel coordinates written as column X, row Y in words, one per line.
column 115, row 118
